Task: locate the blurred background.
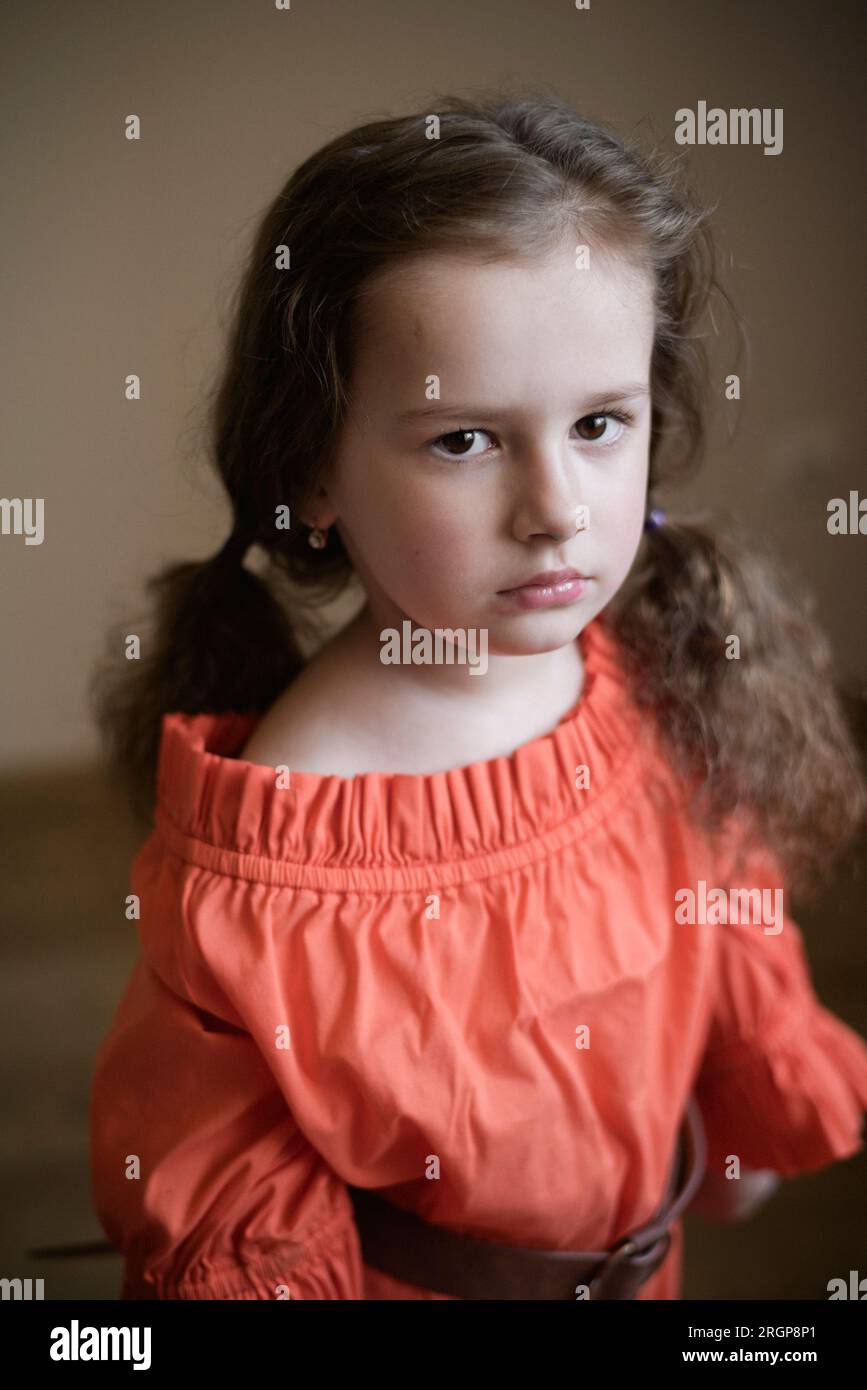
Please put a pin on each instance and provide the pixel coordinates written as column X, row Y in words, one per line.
column 119, row 257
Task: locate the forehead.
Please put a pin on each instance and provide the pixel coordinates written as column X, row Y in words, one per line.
column 511, row 326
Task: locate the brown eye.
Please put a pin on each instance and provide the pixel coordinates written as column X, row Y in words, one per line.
column 597, row 423
column 465, row 440
column 459, row 441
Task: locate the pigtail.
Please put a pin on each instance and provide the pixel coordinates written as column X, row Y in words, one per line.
column 218, row 639
column 739, row 679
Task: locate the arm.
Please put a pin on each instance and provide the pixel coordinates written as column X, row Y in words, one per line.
column 783, row 1080
column 200, row 1175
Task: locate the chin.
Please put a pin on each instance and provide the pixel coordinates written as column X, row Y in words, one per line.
column 532, row 636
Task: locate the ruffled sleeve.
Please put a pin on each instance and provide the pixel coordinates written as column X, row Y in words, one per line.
column 199, row 1174
column 783, row 1081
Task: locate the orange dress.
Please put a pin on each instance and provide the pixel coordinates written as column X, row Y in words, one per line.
column 467, row 987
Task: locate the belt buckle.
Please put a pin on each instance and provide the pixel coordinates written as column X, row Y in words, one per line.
column 622, row 1251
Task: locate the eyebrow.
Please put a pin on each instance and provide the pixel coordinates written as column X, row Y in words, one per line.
column 630, row 391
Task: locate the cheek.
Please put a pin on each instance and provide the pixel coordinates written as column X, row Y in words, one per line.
column 444, row 546
column 619, row 504
column 627, row 541
column 441, row 525
column 418, row 540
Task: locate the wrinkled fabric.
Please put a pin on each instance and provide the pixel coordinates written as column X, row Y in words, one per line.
column 385, row 980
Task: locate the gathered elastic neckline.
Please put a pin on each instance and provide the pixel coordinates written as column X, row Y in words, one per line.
column 389, row 831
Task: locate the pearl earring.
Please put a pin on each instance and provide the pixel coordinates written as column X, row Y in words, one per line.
column 317, row 537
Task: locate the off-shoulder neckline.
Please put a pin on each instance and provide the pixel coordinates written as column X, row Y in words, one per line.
column 218, row 808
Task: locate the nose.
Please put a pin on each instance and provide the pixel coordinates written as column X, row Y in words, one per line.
column 550, row 506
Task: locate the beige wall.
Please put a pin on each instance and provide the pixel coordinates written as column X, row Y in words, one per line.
column 116, row 255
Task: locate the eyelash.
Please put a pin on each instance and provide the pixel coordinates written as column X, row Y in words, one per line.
column 624, row 417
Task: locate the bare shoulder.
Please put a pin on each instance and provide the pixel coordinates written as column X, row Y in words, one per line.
column 318, row 723
column 292, row 728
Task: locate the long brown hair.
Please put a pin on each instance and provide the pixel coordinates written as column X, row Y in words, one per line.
column 762, row 736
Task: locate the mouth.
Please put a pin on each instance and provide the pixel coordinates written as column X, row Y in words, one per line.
column 554, row 591
column 550, row 580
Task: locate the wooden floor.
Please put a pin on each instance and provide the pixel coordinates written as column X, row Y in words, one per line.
column 66, row 850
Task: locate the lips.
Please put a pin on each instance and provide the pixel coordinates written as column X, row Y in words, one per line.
column 546, row 580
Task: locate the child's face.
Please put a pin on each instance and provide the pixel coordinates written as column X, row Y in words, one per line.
column 527, row 357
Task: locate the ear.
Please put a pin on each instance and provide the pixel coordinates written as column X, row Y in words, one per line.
column 317, row 510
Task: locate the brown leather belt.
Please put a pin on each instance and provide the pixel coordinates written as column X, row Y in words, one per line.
column 414, row 1251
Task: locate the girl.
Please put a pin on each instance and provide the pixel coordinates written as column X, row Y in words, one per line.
column 462, row 979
